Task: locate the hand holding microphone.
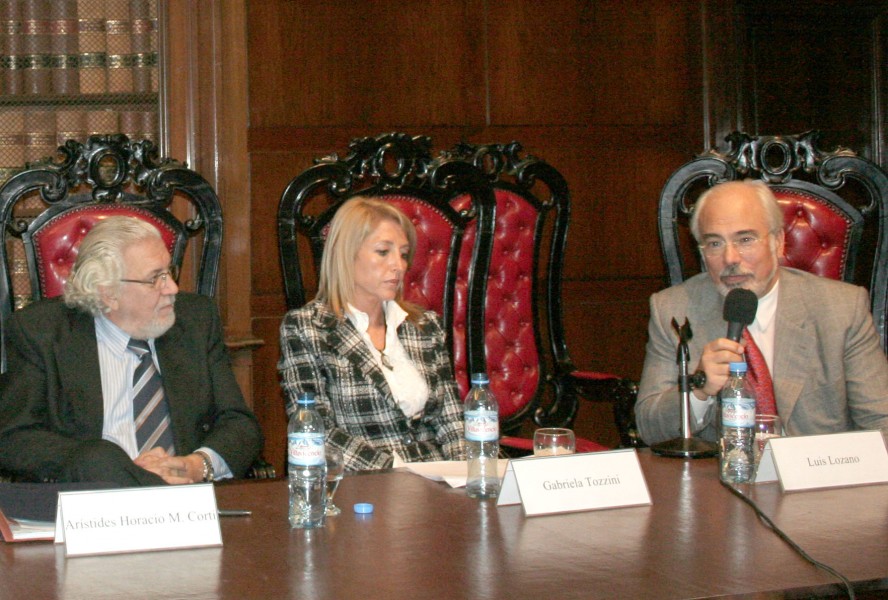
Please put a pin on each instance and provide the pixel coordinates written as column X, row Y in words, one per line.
column 739, row 311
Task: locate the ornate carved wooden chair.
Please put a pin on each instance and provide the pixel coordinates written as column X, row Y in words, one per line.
column 530, row 369
column 445, row 199
column 835, row 205
column 47, row 209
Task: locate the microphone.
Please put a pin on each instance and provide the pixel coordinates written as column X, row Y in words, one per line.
column 739, row 311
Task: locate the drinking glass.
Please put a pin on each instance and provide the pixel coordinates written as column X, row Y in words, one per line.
column 766, row 427
column 552, row 441
column 335, row 468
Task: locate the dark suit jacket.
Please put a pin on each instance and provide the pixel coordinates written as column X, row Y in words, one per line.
column 51, row 393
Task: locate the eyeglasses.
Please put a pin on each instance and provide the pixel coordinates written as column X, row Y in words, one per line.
column 743, row 245
column 159, row 280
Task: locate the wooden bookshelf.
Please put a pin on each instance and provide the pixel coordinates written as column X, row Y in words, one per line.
column 74, row 68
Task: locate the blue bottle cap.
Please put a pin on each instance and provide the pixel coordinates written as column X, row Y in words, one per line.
column 363, row 508
column 480, row 378
column 305, row 398
column 737, row 366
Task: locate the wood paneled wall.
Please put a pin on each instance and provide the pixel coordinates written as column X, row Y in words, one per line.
column 602, row 90
column 616, row 94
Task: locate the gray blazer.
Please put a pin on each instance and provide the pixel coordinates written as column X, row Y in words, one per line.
column 830, row 374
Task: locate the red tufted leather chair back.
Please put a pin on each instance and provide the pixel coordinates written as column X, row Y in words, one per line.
column 57, row 241
column 510, row 338
column 525, row 351
column 818, row 233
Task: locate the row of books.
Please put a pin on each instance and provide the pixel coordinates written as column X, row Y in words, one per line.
column 33, row 134
column 77, row 47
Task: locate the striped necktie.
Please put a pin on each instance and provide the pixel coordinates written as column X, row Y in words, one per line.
column 150, row 410
column 760, row 377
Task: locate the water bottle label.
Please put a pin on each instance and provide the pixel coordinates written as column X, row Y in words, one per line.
column 482, row 425
column 306, row 449
column 738, row 412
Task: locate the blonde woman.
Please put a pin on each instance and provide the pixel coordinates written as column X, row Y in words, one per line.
column 378, row 366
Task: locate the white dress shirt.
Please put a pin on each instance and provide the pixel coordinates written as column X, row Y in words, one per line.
column 408, row 386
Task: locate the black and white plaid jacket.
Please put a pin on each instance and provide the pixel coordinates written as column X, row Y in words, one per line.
column 327, row 356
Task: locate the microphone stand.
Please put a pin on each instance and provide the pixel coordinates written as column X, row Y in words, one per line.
column 686, row 446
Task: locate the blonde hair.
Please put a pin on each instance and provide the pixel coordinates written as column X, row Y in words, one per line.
column 353, row 223
column 100, row 260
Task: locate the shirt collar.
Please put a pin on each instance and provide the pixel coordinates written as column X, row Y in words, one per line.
column 113, row 336
column 394, row 316
column 767, row 309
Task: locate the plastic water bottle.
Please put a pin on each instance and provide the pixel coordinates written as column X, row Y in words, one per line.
column 736, row 419
column 306, row 465
column 482, row 439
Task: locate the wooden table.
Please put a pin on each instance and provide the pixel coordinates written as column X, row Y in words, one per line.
column 427, row 541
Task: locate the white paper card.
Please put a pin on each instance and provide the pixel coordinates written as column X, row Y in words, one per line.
column 138, row 519
column 835, row 460
column 453, row 472
column 576, row 482
column 766, row 472
column 509, row 493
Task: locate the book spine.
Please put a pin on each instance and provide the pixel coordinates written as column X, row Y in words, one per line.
column 70, row 125
column 63, row 46
column 118, row 41
column 11, row 16
column 36, row 72
column 143, row 57
column 131, row 124
column 39, row 145
column 12, row 143
column 40, row 135
column 149, row 125
column 92, row 56
column 21, row 283
column 102, row 122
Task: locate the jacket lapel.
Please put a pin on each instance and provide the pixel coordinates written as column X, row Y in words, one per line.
column 794, row 343
column 180, row 381
column 344, row 340
column 704, row 316
column 81, row 380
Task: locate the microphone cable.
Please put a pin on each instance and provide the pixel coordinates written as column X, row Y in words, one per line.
column 849, row 587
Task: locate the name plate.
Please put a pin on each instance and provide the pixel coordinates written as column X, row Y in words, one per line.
column 575, row 482
column 137, row 519
column 824, row 461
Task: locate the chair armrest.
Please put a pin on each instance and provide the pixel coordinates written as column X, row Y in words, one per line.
column 621, row 392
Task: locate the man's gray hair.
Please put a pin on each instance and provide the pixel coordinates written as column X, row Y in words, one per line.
column 100, row 260
column 766, row 197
